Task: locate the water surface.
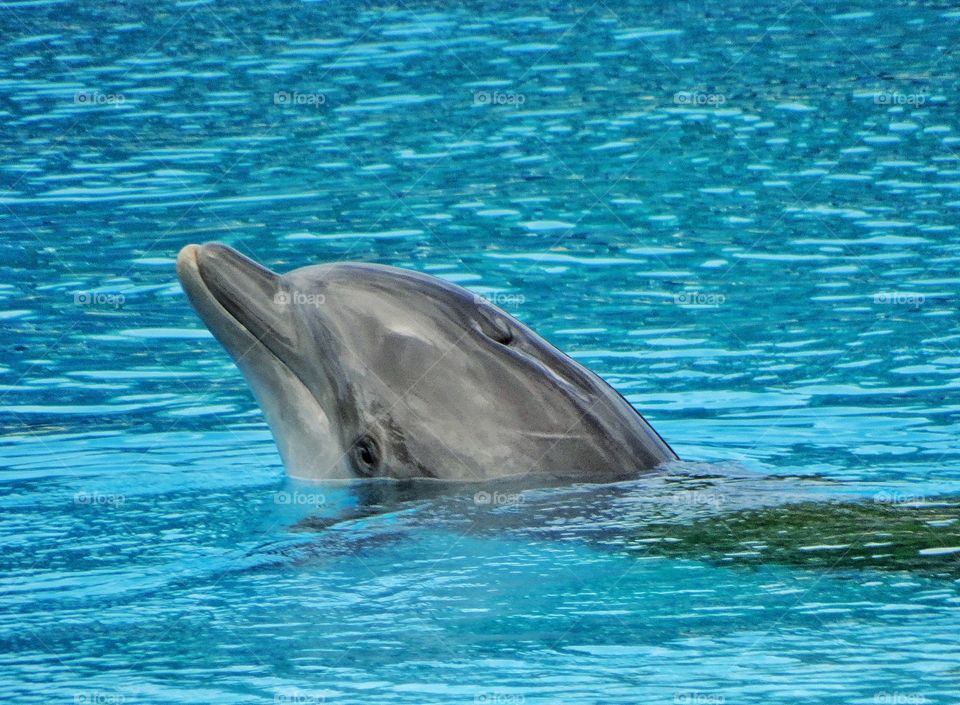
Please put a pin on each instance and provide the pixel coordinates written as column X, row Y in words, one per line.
column 741, row 214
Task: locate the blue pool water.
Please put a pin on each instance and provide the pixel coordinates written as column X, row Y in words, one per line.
column 742, row 214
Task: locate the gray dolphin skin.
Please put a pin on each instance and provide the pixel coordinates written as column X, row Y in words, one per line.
column 364, row 370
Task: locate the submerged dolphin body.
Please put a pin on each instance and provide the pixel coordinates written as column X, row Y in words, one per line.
column 365, row 370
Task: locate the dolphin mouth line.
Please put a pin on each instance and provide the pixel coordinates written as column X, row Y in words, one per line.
column 192, row 278
column 267, row 373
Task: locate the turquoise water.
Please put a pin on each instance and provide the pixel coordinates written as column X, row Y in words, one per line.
column 742, row 214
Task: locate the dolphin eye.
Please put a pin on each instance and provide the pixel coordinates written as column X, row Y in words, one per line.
column 366, row 455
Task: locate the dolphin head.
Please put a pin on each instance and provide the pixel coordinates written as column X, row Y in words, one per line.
column 365, row 370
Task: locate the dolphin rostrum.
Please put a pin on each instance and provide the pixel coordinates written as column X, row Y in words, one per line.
column 364, row 370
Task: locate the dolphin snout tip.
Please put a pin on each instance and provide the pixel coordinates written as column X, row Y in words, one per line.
column 193, row 258
column 233, row 280
column 187, row 259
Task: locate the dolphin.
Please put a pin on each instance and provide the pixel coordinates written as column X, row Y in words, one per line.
column 369, row 371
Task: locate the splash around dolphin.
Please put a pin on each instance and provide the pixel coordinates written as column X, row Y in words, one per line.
column 364, row 370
